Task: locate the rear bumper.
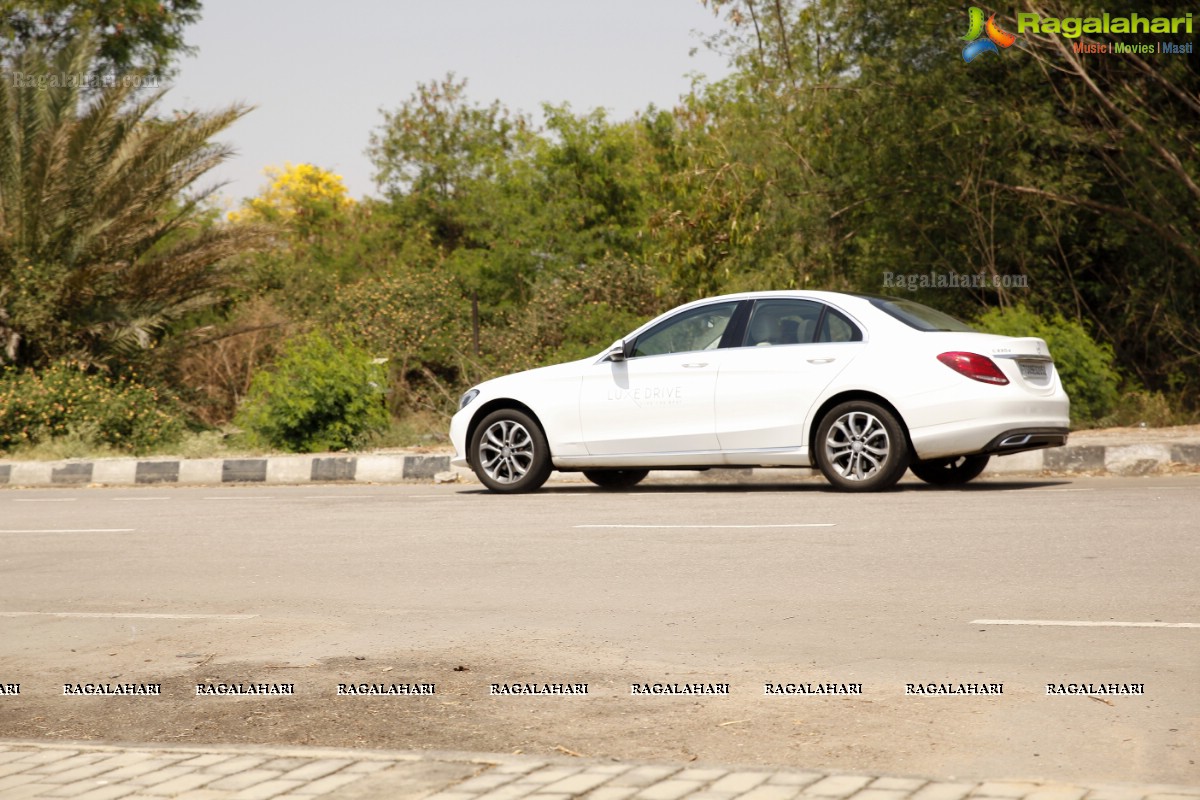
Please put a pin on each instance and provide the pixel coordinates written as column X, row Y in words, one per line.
column 1007, row 434
column 980, row 419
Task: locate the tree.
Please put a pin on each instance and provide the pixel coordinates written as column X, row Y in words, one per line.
column 455, row 176
column 303, row 196
column 105, row 242
column 595, row 181
column 129, row 34
column 852, row 140
column 1132, row 259
column 417, row 320
column 436, row 150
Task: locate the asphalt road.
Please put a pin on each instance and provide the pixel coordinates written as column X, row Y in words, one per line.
column 746, row 585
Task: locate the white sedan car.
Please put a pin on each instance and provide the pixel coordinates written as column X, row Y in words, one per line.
column 860, row 387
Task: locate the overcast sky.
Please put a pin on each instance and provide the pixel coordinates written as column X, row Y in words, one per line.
column 319, row 72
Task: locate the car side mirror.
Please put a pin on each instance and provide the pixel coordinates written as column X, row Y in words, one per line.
column 619, row 351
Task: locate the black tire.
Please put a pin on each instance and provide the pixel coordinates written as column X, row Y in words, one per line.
column 950, row 471
column 614, row 479
column 860, row 447
column 509, row 452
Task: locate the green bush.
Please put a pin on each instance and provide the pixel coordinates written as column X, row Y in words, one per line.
column 1143, row 408
column 1085, row 366
column 320, row 395
column 419, row 320
column 63, row 400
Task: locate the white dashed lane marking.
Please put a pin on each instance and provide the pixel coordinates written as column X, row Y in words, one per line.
column 115, row 615
column 785, row 525
column 247, row 497
column 69, row 530
column 1084, row 624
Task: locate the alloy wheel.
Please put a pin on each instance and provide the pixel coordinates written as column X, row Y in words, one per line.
column 506, row 451
column 857, row 445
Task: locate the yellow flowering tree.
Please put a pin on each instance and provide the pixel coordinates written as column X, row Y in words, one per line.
column 316, row 221
column 299, row 195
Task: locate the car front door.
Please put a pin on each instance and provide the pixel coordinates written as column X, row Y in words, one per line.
column 659, row 400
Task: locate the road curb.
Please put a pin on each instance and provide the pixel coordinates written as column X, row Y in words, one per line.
column 1128, row 459
column 323, row 468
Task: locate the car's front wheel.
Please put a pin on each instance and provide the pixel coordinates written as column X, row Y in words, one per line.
column 509, row 452
column 860, row 447
column 950, row 471
column 616, row 478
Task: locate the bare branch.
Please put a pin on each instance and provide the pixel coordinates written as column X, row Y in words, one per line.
column 1079, row 69
column 1166, row 232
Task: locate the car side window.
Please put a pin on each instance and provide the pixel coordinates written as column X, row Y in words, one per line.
column 696, row 329
column 837, row 327
column 782, row 322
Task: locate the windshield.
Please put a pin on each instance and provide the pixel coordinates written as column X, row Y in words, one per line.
column 915, row 315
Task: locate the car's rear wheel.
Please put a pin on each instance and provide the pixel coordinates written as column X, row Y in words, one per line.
column 509, row 452
column 615, row 478
column 861, row 447
column 950, row 471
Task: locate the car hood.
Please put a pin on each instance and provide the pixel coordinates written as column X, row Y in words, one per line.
column 539, row 374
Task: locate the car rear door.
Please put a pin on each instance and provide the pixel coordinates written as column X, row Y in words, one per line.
column 792, row 350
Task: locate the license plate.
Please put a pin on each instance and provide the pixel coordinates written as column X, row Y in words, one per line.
column 1032, row 370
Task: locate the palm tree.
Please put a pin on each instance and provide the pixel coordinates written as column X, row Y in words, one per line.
column 104, row 239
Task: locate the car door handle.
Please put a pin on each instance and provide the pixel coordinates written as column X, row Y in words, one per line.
column 695, row 364
column 821, row 360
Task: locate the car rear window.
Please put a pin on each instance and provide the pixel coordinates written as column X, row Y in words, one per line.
column 836, row 327
column 918, row 316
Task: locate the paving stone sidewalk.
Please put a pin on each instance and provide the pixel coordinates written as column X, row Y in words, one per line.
column 89, row 771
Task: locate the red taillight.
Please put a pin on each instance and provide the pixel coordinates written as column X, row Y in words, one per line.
column 974, row 366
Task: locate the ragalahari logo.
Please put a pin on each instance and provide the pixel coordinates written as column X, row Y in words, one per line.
column 996, row 38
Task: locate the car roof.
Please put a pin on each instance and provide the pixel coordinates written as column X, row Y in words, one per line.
column 856, row 306
column 833, row 298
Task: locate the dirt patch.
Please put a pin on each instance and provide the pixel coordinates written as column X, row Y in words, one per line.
column 1016, row 735
column 608, row 722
